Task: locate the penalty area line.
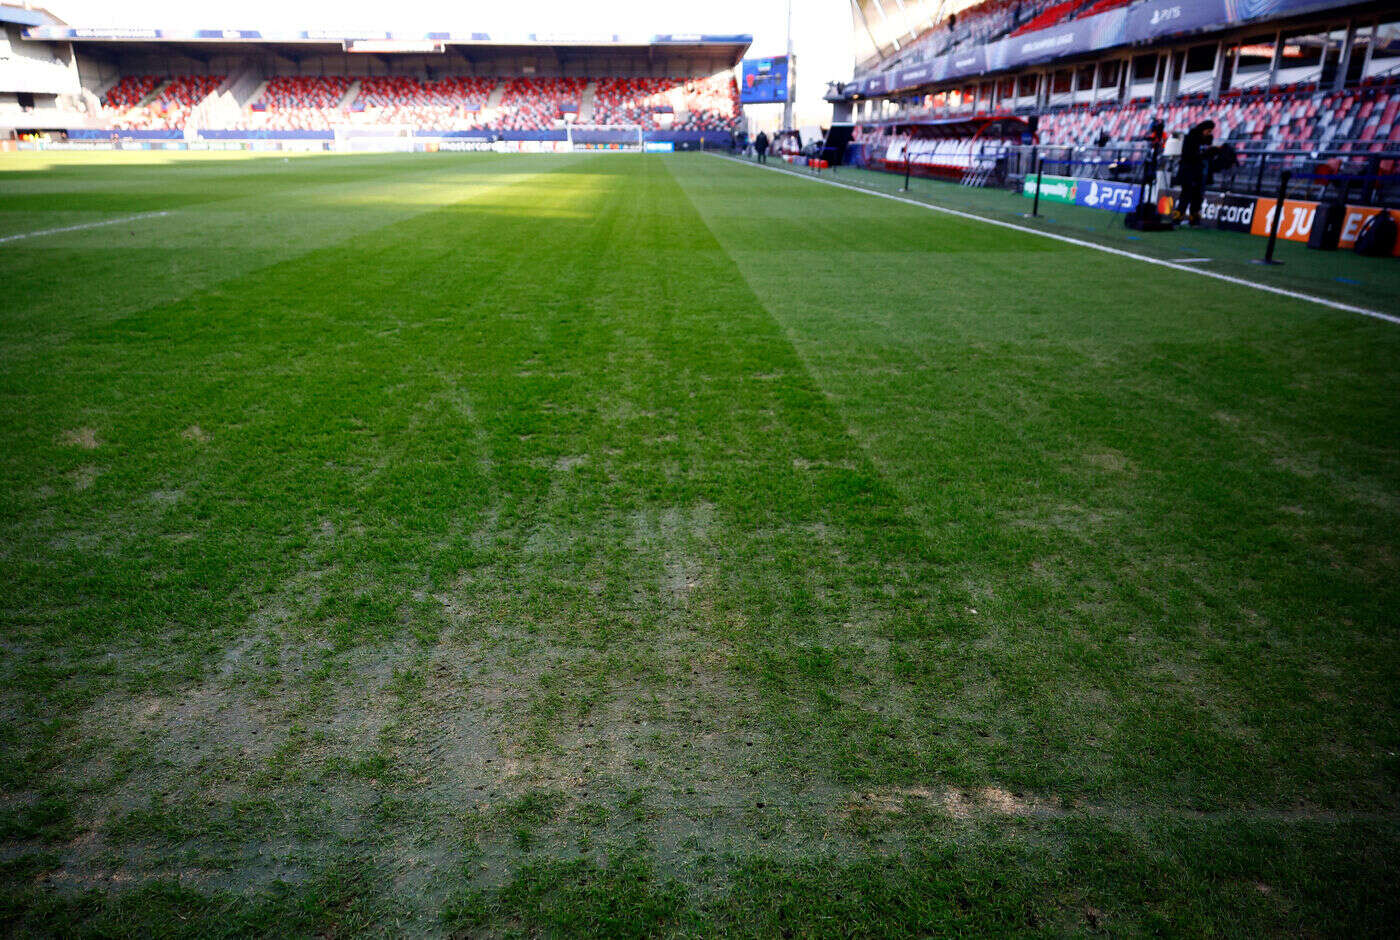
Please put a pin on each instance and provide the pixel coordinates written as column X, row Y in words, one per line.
column 1174, row 265
column 79, row 228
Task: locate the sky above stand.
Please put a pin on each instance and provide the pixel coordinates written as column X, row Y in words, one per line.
column 821, row 29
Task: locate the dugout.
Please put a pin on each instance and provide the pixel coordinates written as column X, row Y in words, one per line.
column 948, row 148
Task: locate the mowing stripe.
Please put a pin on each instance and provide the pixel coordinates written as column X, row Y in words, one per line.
column 1174, row 265
column 78, row 228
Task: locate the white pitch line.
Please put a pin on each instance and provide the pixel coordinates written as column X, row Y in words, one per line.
column 1174, row 265
column 78, row 228
column 1190, row 260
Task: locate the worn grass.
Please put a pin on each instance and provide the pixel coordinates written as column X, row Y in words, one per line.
column 626, row 545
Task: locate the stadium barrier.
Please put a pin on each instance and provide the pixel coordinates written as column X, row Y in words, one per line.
column 1255, row 215
column 1223, row 210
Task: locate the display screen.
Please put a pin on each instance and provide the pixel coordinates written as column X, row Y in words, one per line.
column 765, row 81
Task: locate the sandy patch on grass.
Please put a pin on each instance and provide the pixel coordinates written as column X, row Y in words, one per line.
column 1107, row 461
column 84, row 476
column 194, row 433
column 954, row 802
column 86, row 438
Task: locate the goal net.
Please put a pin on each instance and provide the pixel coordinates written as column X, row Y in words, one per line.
column 614, row 137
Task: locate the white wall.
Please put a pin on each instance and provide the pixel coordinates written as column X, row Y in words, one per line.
column 44, row 68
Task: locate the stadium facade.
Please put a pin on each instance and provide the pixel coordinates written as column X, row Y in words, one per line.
column 1058, row 97
column 62, row 85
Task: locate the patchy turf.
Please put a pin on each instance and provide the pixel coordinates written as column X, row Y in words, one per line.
column 651, row 545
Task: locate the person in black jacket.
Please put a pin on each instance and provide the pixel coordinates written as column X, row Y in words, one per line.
column 1194, row 171
column 760, row 147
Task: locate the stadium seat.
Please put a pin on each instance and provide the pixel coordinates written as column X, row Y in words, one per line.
column 538, row 104
column 299, row 102
column 128, row 91
column 170, row 110
column 453, row 103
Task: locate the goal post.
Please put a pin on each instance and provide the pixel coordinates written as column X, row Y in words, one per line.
column 618, row 138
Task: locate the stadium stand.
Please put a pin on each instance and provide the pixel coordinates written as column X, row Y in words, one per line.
column 1102, row 6
column 302, row 90
column 299, row 102
column 129, row 91
column 634, row 100
column 1311, row 88
column 1356, row 119
column 975, row 24
column 1050, row 16
column 539, row 103
column 172, row 108
column 453, row 103
column 712, row 104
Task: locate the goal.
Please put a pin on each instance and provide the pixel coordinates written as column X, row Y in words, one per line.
column 626, row 138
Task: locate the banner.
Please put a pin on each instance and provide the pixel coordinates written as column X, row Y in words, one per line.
column 1158, row 18
column 1052, row 188
column 1351, row 225
column 1255, row 214
column 1295, row 223
column 1106, row 194
column 916, row 75
column 968, row 62
column 1230, row 212
column 1095, row 194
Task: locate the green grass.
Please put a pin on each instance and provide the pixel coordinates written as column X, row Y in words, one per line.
column 620, row 545
column 1342, row 276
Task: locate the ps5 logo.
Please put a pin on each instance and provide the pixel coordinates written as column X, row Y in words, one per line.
column 1166, row 15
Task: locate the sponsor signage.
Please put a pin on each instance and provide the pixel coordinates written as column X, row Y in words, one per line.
column 1230, row 212
column 462, row 146
column 1168, row 17
column 1052, row 188
column 915, row 76
column 1106, row 194
column 970, row 62
column 1351, row 226
column 1095, row 194
column 393, row 45
column 1255, row 214
column 764, row 81
column 659, row 146
column 1295, row 223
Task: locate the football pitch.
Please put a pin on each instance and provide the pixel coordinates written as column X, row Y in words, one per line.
column 474, row 544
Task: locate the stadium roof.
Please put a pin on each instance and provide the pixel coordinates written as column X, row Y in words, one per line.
column 386, row 40
column 568, row 53
column 27, row 16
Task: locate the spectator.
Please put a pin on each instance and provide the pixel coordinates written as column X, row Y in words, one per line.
column 760, row 146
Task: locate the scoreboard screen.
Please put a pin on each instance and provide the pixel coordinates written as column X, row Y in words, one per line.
column 764, row 81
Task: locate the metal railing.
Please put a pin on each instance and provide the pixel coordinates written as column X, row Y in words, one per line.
column 1334, row 173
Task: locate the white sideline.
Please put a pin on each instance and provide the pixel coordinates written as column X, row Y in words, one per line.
column 76, row 228
column 1175, row 266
